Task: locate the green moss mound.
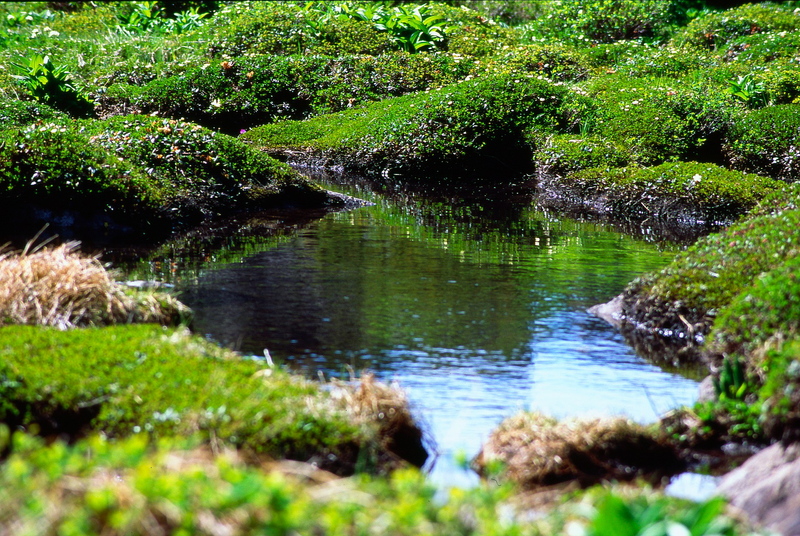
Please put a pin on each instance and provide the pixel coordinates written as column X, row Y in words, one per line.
column 142, row 379
column 17, row 113
column 565, row 153
column 765, row 142
column 672, row 191
column 682, row 301
column 717, row 29
column 474, row 127
column 241, row 93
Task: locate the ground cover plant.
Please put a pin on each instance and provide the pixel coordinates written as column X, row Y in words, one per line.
column 631, row 100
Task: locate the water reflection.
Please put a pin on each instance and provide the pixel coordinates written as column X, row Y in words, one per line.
column 477, row 313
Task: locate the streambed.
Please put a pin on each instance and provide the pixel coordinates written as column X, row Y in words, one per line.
column 476, row 307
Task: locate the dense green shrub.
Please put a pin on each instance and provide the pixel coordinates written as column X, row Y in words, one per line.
column 565, row 153
column 52, row 85
column 768, row 310
column 717, row 30
column 671, row 191
column 782, row 83
column 239, row 94
column 478, row 126
column 664, row 62
column 148, row 380
column 766, row 142
column 761, row 48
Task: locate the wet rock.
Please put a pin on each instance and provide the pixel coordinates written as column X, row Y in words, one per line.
column 610, row 311
column 767, row 488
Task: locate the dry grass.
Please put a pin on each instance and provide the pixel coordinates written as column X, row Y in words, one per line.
column 539, row 451
column 58, row 286
column 373, row 402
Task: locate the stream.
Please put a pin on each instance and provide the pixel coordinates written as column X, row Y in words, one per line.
column 476, row 307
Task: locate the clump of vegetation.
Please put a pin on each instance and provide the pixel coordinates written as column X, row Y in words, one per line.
column 135, row 486
column 17, row 113
column 562, row 154
column 715, row 30
column 472, row 127
column 683, row 300
column 535, row 450
column 146, row 380
column 765, row 142
column 674, row 191
column 241, row 93
column 52, row 85
column 62, row 288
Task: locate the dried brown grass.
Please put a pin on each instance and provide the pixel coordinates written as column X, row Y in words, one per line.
column 59, row 286
column 387, row 406
column 537, row 450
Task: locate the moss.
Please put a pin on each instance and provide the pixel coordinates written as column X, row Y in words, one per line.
column 671, row 191
column 555, row 61
column 17, row 113
column 683, row 300
column 148, row 380
column 565, row 153
column 473, row 127
column 244, row 92
column 715, row 30
column 660, row 119
column 765, row 142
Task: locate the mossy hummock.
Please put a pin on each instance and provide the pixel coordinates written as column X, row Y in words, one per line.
column 145, row 379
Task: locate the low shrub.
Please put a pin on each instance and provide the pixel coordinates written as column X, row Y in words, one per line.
column 762, row 48
column 669, row 61
column 765, row 142
column 670, row 191
column 52, row 85
column 198, row 169
column 716, row 30
column 557, row 62
column 478, row 126
column 144, row 379
column 53, row 164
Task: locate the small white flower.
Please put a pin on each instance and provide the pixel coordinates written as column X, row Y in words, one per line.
column 697, row 178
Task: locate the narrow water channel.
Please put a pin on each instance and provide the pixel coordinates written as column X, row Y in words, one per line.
column 477, row 310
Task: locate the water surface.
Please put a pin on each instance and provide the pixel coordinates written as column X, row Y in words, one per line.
column 477, row 309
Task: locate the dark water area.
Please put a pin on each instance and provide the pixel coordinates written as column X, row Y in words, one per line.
column 477, row 308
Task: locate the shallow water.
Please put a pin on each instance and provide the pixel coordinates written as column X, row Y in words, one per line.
column 477, row 309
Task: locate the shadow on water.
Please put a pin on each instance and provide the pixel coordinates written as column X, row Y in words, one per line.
column 474, row 301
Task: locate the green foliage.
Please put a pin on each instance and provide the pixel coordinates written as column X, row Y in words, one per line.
column 476, row 126
column 411, row 28
column 51, row 85
column 703, row 191
column 710, row 274
column 763, row 48
column 731, row 383
column 17, row 113
column 615, row 515
column 748, row 90
column 97, row 486
column 718, row 29
column 145, row 379
column 765, row 142
column 151, row 18
column 555, row 61
column 194, row 165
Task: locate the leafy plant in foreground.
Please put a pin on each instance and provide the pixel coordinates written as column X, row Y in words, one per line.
column 731, row 383
column 52, row 85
